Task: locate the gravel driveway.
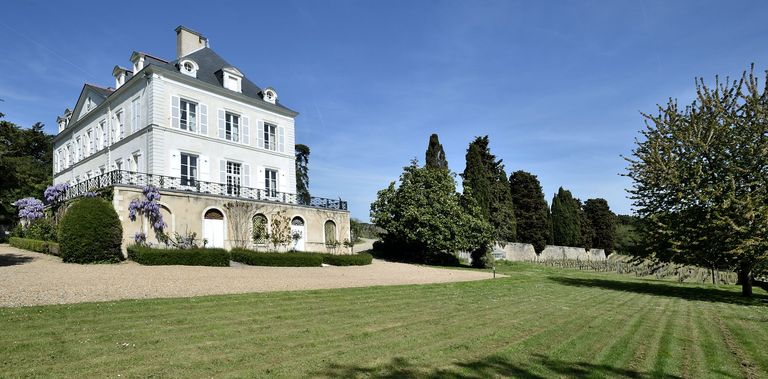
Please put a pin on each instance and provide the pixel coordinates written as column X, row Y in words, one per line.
column 28, row 278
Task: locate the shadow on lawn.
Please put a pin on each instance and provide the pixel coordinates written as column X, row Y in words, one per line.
column 493, row 366
column 14, row 259
column 664, row 289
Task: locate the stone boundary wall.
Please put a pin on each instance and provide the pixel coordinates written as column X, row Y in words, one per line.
column 518, row 252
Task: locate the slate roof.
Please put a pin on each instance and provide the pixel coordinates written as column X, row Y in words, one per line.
column 209, row 63
column 101, row 91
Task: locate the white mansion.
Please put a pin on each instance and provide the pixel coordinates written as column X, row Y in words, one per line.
column 199, row 130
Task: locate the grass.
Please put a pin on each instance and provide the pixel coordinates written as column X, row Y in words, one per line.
column 540, row 322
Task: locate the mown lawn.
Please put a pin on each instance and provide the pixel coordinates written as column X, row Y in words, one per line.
column 540, row 322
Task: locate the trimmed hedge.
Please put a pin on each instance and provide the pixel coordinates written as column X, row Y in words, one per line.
column 255, row 258
column 90, row 232
column 186, row 257
column 45, row 247
column 360, row 259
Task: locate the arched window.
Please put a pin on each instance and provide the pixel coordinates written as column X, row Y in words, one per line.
column 297, row 221
column 213, row 214
column 330, row 232
column 260, row 232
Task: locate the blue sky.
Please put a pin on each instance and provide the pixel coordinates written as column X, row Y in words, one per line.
column 558, row 86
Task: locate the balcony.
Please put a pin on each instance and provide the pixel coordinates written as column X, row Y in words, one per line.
column 167, row 183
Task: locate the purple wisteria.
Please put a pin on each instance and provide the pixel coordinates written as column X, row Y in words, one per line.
column 140, row 238
column 150, row 208
column 55, row 193
column 29, row 208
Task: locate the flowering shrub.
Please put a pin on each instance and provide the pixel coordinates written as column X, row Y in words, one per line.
column 91, row 194
column 29, row 209
column 140, row 238
column 149, row 208
column 55, row 193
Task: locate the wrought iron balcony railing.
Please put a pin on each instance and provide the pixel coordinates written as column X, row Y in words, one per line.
column 185, row 185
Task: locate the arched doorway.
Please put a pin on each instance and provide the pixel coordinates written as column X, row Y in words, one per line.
column 213, row 227
column 298, row 229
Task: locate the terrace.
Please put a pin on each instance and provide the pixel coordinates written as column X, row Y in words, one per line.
column 191, row 186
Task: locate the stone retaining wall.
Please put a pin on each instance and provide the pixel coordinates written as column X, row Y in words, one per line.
column 515, row 251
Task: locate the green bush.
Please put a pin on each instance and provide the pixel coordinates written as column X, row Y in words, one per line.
column 360, row 259
column 187, row 257
column 90, row 232
column 42, row 230
column 45, row 247
column 255, row 258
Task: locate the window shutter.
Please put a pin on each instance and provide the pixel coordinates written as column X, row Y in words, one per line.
column 246, row 130
column 205, row 168
column 223, row 171
column 203, row 119
column 222, row 125
column 247, row 175
column 281, row 139
column 260, row 135
column 175, row 164
column 175, row 112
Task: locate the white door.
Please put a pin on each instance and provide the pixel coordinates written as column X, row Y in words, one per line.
column 213, row 231
column 297, row 229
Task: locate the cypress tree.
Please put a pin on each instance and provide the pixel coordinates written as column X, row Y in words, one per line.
column 435, row 157
column 566, row 221
column 531, row 210
column 486, row 181
column 603, row 225
column 302, row 173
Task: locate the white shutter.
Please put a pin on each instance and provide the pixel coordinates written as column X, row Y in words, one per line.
column 246, row 175
column 175, row 112
column 223, row 171
column 260, row 134
column 222, row 125
column 205, row 168
column 174, row 164
column 203, row 117
column 246, row 130
column 281, row 138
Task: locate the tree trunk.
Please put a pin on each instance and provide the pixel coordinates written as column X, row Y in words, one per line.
column 713, row 275
column 746, row 281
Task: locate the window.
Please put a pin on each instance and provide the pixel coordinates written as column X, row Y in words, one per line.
column 188, row 115
column 188, row 169
column 330, row 232
column 101, row 135
column 270, row 136
column 136, row 162
column 135, row 114
column 232, row 82
column 120, row 121
column 78, row 151
column 233, row 178
column 89, row 137
column 270, row 182
column 119, row 165
column 232, row 127
column 260, row 232
column 71, row 155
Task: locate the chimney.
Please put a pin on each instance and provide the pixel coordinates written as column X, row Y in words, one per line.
column 188, row 41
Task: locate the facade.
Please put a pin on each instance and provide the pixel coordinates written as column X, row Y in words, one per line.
column 203, row 133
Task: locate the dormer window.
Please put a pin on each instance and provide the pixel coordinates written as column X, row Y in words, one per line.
column 270, row 95
column 232, row 82
column 138, row 61
column 188, row 67
column 231, row 78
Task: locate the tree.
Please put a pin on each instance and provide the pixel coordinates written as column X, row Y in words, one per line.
column 602, row 222
column 587, row 234
column 424, row 219
column 531, row 210
column 302, row 173
column 699, row 179
column 25, row 165
column 566, row 220
column 485, row 179
column 240, row 215
column 435, row 157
